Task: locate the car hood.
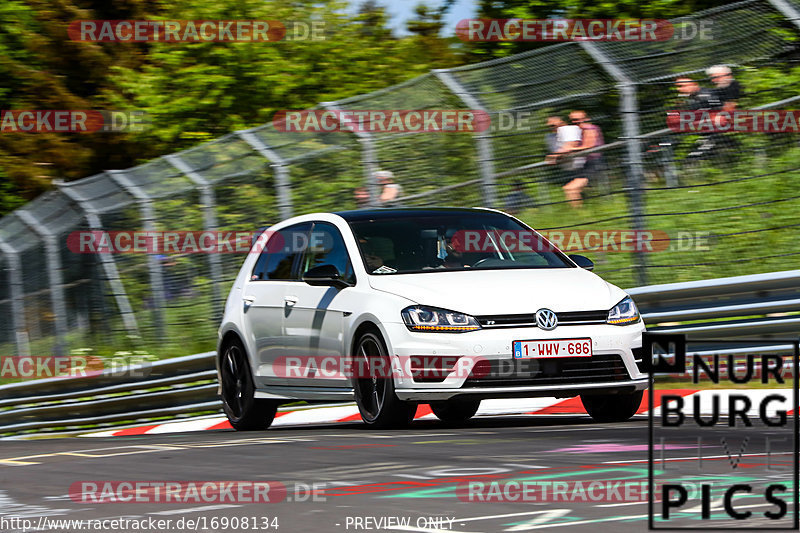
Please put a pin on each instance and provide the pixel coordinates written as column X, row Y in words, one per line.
column 490, row 292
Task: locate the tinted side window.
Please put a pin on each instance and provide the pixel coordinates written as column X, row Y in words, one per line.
column 326, row 247
column 279, row 258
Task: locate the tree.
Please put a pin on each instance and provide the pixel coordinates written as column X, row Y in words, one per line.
column 427, row 30
column 428, row 22
column 199, row 91
column 42, row 69
column 373, row 20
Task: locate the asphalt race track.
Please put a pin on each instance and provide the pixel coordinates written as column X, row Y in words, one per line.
column 349, row 478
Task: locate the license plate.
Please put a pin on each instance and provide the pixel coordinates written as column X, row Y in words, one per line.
column 552, row 348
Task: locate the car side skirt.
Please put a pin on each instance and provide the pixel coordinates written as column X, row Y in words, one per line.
column 305, row 393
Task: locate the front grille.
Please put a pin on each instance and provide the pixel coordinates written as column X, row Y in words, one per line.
column 575, row 317
column 568, row 318
column 549, row 371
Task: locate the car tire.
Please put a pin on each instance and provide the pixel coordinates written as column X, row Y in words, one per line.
column 455, row 411
column 612, row 407
column 373, row 385
column 245, row 412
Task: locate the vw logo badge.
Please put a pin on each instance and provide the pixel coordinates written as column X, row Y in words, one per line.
column 546, row 319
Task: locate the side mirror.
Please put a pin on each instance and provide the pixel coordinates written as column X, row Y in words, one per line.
column 324, row 276
column 581, row 261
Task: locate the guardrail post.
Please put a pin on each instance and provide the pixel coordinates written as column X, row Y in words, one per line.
column 368, row 156
column 17, row 301
column 54, row 271
column 209, row 203
column 482, row 139
column 106, row 261
column 630, row 126
column 153, row 263
column 282, row 184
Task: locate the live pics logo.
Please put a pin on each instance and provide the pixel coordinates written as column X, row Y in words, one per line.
column 742, row 425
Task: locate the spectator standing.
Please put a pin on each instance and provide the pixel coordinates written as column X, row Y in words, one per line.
column 585, row 167
column 727, row 91
column 390, row 191
column 562, row 139
column 698, row 99
column 724, row 98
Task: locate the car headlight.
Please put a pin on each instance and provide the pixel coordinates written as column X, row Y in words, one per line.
column 623, row 313
column 421, row 318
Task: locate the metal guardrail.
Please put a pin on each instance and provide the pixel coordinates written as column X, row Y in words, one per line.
column 177, row 386
column 759, row 307
column 120, row 380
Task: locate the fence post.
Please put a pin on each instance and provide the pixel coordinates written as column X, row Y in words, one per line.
column 282, row 185
column 788, row 10
column 54, row 276
column 17, row 301
column 630, row 126
column 153, row 264
column 368, row 156
column 208, row 201
column 482, row 140
column 106, row 261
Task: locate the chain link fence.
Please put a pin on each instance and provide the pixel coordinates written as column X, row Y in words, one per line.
column 733, row 190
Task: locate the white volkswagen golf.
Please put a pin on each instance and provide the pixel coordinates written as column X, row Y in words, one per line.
column 395, row 307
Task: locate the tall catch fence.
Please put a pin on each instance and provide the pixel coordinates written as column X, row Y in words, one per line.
column 717, row 205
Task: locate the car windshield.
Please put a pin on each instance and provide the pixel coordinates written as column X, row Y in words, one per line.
column 408, row 243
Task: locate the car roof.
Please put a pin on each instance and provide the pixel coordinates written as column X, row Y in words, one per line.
column 410, row 212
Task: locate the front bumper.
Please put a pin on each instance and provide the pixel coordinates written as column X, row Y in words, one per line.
column 494, row 347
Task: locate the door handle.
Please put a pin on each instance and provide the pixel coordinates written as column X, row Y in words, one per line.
column 248, row 300
column 290, row 300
